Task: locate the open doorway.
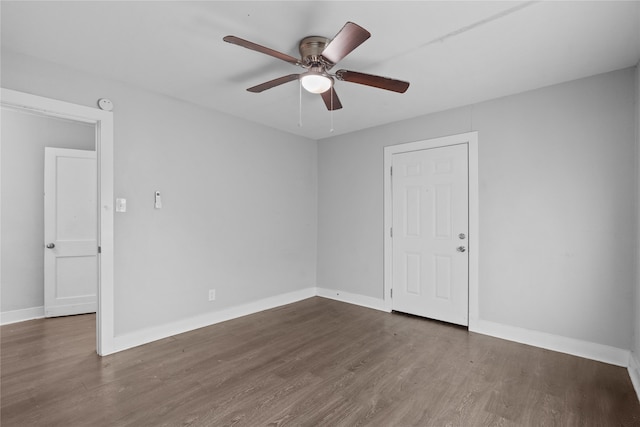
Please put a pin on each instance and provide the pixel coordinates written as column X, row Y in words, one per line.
column 95, row 128
column 48, row 273
column 53, row 274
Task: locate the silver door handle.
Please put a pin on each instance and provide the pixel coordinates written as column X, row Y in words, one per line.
column 461, row 249
column 50, row 246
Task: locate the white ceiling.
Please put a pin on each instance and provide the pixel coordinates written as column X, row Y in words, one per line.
column 453, row 53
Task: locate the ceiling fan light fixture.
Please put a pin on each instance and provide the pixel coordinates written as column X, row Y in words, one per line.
column 315, row 82
column 318, row 55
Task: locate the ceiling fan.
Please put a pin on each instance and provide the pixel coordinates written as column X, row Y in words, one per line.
column 318, row 55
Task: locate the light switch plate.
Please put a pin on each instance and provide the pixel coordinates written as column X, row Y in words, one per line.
column 121, row 205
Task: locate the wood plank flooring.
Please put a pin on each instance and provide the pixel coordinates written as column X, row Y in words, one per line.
column 316, row 362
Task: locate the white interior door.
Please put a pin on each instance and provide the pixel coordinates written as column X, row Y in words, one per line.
column 70, row 228
column 430, row 231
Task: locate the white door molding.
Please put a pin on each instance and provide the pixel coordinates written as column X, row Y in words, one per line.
column 103, row 121
column 471, row 139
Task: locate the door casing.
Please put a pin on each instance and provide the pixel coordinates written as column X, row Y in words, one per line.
column 103, row 122
column 471, row 139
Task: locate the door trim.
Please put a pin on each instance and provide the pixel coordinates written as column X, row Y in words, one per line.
column 471, row 139
column 103, row 121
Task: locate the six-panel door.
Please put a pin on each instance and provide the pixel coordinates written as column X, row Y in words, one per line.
column 430, row 233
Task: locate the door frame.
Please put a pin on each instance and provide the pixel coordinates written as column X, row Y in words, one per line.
column 471, row 139
column 103, row 121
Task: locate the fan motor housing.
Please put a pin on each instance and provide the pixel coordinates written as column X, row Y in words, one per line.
column 311, row 49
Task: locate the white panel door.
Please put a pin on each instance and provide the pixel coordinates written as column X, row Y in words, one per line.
column 70, row 228
column 430, row 232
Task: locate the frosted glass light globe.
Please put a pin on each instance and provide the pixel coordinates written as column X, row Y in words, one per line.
column 315, row 83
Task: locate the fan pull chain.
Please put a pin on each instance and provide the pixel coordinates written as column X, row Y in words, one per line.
column 331, row 112
column 299, row 103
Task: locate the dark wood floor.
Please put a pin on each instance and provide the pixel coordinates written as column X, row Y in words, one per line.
column 315, row 362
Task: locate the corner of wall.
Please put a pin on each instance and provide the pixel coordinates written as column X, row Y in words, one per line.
column 351, row 298
column 634, row 373
column 634, row 366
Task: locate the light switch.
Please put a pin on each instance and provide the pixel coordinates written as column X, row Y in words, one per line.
column 121, row 205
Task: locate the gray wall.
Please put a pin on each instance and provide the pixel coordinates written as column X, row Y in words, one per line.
column 557, row 206
column 23, row 138
column 240, row 200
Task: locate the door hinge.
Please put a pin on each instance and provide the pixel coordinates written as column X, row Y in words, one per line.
column 391, row 232
column 391, row 170
column 391, row 292
column 99, row 249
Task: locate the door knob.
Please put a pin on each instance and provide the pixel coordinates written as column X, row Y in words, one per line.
column 461, row 249
column 50, row 246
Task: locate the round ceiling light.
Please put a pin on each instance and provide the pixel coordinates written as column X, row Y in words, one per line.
column 315, row 83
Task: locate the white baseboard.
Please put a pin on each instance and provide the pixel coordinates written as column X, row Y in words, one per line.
column 365, row 301
column 634, row 373
column 7, row 317
column 588, row 350
column 136, row 338
column 600, row 352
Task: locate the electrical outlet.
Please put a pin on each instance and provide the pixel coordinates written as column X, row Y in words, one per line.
column 212, row 294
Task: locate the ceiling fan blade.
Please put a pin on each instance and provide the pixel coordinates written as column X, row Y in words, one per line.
column 258, row 48
column 371, row 80
column 348, row 38
column 273, row 83
column 331, row 99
